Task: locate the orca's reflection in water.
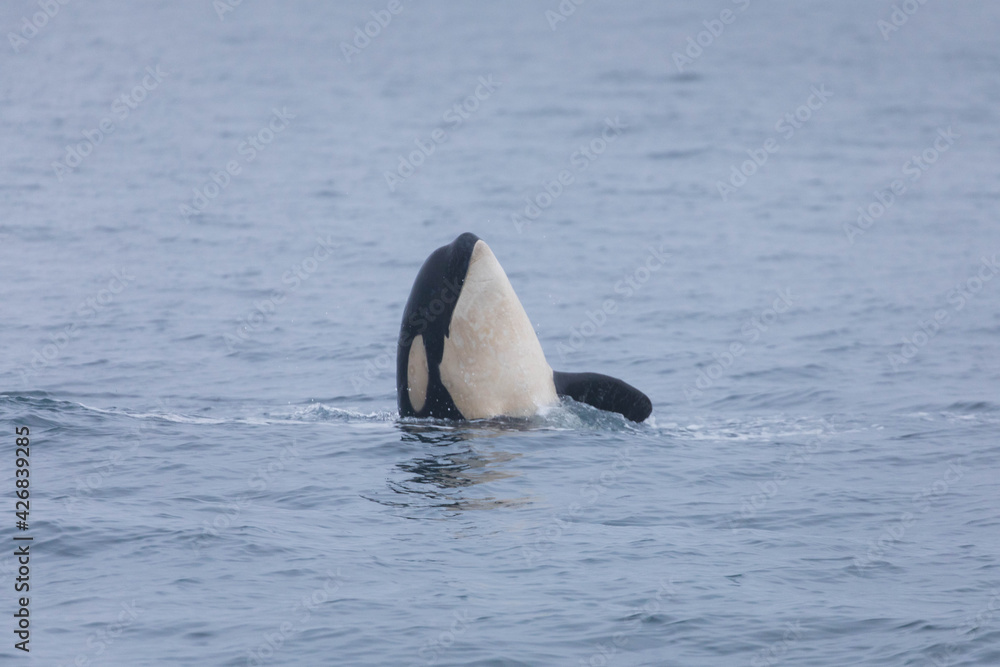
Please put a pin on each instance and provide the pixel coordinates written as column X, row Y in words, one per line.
column 449, row 464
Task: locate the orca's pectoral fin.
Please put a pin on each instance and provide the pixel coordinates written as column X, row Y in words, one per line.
column 605, row 393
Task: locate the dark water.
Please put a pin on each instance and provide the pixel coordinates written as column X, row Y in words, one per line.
column 200, row 312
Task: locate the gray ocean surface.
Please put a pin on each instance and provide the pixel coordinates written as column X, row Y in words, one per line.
column 777, row 219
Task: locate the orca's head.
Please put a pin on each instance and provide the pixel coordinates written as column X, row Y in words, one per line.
column 467, row 349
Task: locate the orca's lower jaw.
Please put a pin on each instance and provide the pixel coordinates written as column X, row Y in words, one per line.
column 605, row 393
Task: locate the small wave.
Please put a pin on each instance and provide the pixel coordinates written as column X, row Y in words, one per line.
column 966, row 407
column 40, row 410
column 751, row 428
column 177, row 418
column 568, row 415
column 967, row 412
column 320, row 412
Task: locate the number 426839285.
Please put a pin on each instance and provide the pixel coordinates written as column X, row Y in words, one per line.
column 21, row 474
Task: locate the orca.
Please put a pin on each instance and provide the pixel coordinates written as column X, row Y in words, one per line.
column 467, row 350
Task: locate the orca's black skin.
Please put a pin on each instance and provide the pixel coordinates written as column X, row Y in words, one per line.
column 428, row 313
column 605, row 393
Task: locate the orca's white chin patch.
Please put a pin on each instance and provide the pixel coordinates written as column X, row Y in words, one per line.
column 493, row 363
